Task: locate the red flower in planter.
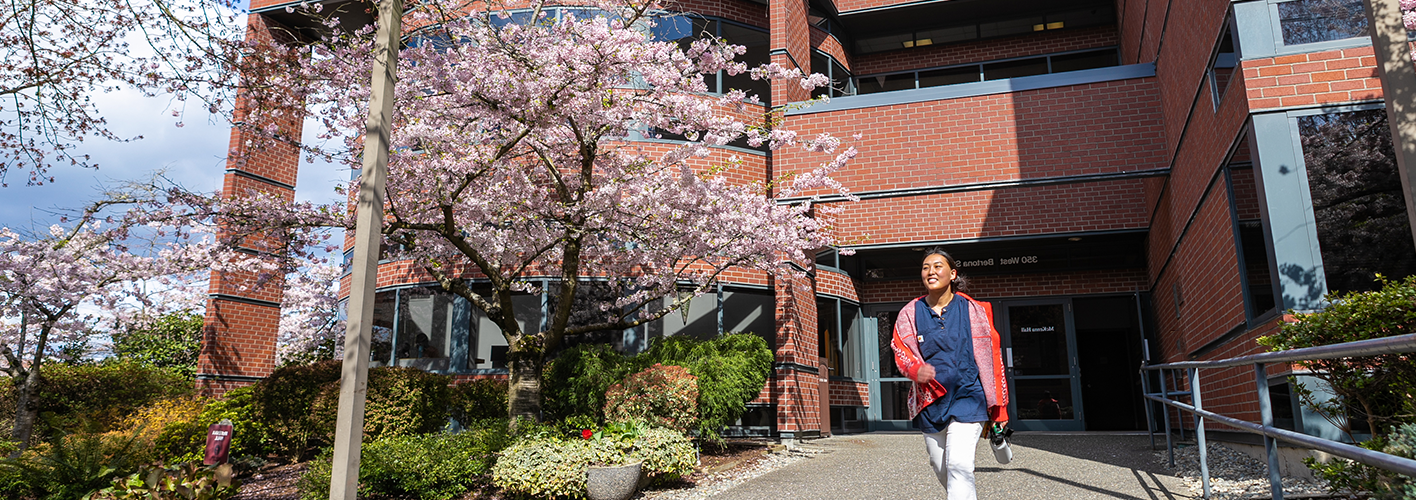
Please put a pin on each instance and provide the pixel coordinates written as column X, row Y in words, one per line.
column 587, row 433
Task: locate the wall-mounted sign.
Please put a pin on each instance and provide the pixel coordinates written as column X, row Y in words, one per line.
column 1034, row 329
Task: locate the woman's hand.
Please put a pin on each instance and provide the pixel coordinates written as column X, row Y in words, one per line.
column 924, row 374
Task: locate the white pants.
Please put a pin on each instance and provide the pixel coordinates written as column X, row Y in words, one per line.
column 951, row 454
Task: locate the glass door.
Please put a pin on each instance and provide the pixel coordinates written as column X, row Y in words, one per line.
column 1041, row 356
column 888, row 387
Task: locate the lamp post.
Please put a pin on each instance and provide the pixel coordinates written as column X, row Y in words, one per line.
column 353, row 382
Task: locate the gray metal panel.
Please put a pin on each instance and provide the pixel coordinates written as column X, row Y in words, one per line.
column 1004, row 86
column 461, row 333
column 1254, row 26
column 869, row 338
column 1289, row 209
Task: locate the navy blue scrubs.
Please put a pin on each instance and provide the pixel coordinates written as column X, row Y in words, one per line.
column 946, row 344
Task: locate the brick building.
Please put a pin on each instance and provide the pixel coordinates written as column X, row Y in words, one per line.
column 1125, row 180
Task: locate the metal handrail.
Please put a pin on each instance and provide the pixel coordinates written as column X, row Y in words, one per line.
column 1390, row 345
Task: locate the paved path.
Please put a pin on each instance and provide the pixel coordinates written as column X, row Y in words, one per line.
column 892, row 465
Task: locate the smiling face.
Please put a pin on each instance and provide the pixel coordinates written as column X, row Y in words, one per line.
column 937, row 273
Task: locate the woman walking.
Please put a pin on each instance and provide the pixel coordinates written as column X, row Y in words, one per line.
column 945, row 342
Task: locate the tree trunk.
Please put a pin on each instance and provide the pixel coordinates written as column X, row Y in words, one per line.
column 25, row 412
column 524, row 388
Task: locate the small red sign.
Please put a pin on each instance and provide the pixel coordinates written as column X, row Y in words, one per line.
column 218, row 444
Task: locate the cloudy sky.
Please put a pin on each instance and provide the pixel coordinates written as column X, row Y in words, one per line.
column 191, row 155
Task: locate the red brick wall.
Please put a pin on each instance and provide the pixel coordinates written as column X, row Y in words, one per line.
column 1097, row 206
column 797, row 393
column 840, row 285
column 790, row 45
column 822, row 41
column 239, row 337
column 1093, row 128
column 931, row 56
column 849, row 393
column 1333, row 76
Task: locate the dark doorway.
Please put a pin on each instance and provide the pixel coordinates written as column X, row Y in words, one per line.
column 1109, row 354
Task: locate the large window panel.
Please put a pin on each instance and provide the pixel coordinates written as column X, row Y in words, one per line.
column 756, row 41
column 751, row 311
column 1356, row 192
column 1312, row 21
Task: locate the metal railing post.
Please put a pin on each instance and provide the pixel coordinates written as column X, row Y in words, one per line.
column 1270, row 444
column 1180, row 418
column 1150, row 413
column 1200, row 430
column 1165, row 410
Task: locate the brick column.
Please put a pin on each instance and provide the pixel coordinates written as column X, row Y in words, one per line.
column 796, row 381
column 243, row 313
column 791, row 46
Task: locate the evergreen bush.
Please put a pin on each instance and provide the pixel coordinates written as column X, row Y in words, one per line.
column 428, row 467
column 575, row 382
column 400, row 402
column 97, row 397
column 283, row 405
column 479, row 400
column 731, row 371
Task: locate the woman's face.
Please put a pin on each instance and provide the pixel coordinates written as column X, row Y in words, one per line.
column 936, row 273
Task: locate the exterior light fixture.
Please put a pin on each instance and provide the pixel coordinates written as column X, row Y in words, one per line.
column 922, row 42
column 1055, row 26
column 909, row 43
column 1075, row 238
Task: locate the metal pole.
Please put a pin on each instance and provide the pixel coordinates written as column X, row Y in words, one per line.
column 1270, row 444
column 1165, row 411
column 1398, row 76
column 1200, row 431
column 353, row 382
column 1179, row 416
column 1150, row 414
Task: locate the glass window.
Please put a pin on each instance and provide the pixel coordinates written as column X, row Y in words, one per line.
column 1357, row 199
column 851, row 363
column 1222, row 66
column 894, row 400
column 1014, row 69
column 885, row 83
column 948, row 76
column 697, row 319
column 751, row 311
column 840, row 80
column 828, row 340
column 381, row 346
column 756, row 41
column 1309, row 21
column 820, row 63
column 1084, row 60
column 885, row 322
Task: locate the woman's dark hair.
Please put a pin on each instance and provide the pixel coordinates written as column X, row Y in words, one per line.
column 959, row 283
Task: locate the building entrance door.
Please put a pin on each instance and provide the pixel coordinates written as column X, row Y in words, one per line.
column 1041, row 356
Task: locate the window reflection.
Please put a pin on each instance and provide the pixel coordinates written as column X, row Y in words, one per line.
column 1309, row 21
column 1357, row 199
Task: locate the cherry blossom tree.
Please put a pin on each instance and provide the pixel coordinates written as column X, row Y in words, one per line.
column 311, row 316
column 55, row 55
column 514, row 158
column 54, row 285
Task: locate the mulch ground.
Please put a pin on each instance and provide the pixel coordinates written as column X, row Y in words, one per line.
column 278, row 482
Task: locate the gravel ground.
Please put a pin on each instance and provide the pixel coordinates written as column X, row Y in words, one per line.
column 714, row 484
column 1235, row 475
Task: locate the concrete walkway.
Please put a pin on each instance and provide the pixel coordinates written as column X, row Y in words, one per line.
column 892, row 465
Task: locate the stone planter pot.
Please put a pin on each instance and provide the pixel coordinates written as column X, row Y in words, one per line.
column 616, row 482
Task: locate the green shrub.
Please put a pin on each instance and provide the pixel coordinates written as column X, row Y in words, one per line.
column 172, row 341
column 1375, row 389
column 551, row 467
column 479, row 400
column 71, row 466
column 544, row 468
column 731, row 371
column 185, row 482
column 97, row 397
column 1372, row 388
column 667, row 454
column 284, row 402
column 575, row 382
column 428, row 467
column 399, row 402
column 185, row 440
column 661, row 396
